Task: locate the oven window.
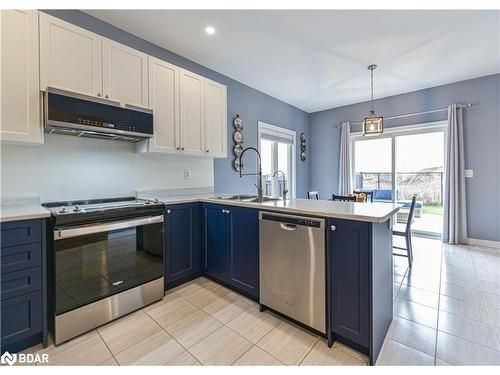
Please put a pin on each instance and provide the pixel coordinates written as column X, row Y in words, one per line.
column 95, row 266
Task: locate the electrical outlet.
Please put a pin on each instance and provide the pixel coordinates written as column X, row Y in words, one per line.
column 187, row 174
column 469, row 173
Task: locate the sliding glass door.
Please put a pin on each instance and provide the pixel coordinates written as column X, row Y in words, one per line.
column 420, row 170
column 416, row 158
column 373, row 166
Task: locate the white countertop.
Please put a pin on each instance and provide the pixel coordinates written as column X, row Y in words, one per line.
column 23, row 212
column 369, row 212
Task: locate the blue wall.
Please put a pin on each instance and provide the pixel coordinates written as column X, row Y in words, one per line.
column 250, row 104
column 482, row 138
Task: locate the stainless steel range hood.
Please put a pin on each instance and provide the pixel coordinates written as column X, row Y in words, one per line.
column 81, row 115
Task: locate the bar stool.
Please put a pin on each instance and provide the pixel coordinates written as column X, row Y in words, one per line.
column 406, row 234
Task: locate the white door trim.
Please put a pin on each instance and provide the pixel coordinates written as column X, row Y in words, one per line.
column 265, row 126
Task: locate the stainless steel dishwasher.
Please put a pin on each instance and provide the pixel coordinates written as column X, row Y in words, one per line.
column 292, row 267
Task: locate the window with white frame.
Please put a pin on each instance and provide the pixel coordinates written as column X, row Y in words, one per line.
column 277, row 148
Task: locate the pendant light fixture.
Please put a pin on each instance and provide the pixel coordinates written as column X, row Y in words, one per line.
column 373, row 124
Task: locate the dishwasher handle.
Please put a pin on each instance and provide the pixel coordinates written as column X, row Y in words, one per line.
column 289, row 227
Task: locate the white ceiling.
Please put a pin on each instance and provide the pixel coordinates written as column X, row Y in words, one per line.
column 317, row 59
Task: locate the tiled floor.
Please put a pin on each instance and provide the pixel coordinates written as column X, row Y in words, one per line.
column 446, row 311
column 200, row 323
column 446, row 308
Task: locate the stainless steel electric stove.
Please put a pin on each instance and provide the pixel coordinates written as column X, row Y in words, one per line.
column 106, row 260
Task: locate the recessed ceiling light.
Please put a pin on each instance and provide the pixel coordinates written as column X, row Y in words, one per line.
column 209, row 30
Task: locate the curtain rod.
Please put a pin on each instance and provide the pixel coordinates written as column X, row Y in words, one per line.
column 403, row 115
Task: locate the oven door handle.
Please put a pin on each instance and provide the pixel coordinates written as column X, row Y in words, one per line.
column 82, row 230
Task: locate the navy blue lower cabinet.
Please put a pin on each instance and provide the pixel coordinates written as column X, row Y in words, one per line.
column 23, row 310
column 359, row 274
column 20, row 257
column 349, row 247
column 182, row 243
column 21, row 321
column 216, row 241
column 21, row 282
column 21, row 232
column 244, row 255
column 231, row 246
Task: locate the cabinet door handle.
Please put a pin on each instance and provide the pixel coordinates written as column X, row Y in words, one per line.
column 99, row 94
column 178, row 148
column 168, row 211
column 228, row 211
column 182, row 148
column 106, row 96
column 207, row 151
column 333, row 227
column 223, row 211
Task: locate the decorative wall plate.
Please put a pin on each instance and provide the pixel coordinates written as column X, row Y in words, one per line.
column 238, row 123
column 236, row 164
column 238, row 137
column 237, row 150
column 302, row 147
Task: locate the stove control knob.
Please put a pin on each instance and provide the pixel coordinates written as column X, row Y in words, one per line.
column 148, row 201
column 77, row 208
column 63, row 210
column 157, row 200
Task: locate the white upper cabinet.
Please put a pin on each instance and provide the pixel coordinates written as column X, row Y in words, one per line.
column 215, row 119
column 40, row 51
column 192, row 113
column 75, row 59
column 164, row 101
column 20, row 120
column 70, row 57
column 125, row 74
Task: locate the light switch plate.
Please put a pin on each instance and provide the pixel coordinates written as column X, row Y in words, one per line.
column 469, row 173
column 187, row 174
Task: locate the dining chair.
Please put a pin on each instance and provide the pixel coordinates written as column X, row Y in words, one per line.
column 343, row 198
column 367, row 193
column 406, row 233
column 313, row 195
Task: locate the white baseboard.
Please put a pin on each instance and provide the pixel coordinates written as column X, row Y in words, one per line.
column 485, row 243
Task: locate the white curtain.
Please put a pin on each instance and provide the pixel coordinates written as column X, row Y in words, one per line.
column 455, row 209
column 345, row 183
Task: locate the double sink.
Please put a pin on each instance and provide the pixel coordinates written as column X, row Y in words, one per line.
column 247, row 198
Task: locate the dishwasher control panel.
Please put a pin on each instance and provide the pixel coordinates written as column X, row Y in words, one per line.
column 305, row 222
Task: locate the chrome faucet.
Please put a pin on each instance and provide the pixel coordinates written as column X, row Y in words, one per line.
column 259, row 173
column 285, row 191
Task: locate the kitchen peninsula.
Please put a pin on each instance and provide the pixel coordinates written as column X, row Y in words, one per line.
column 358, row 255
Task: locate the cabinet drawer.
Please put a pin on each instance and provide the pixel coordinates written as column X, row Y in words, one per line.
column 21, row 257
column 21, row 282
column 21, row 317
column 21, row 232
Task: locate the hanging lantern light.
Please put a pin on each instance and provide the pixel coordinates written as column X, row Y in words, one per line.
column 373, row 124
